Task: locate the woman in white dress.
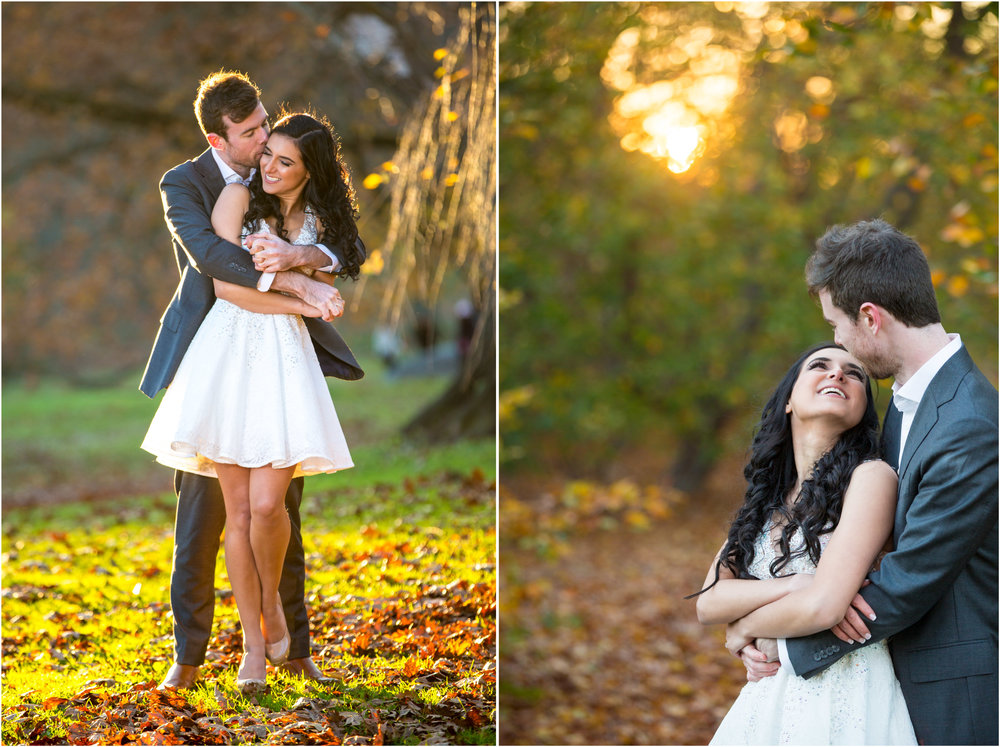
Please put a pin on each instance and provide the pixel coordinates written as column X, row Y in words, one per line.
column 818, row 510
column 249, row 403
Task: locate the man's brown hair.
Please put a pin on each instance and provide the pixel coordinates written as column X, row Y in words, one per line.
column 874, row 262
column 221, row 94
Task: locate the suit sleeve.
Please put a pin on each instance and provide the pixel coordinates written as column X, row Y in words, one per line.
column 362, row 251
column 359, row 245
column 953, row 510
column 191, row 228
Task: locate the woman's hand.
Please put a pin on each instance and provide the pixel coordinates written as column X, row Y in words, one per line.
column 736, row 638
column 852, row 628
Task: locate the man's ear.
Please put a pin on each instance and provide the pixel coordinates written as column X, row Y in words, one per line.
column 216, row 141
column 872, row 317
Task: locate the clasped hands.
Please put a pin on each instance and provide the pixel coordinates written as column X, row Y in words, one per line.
column 760, row 655
column 273, row 254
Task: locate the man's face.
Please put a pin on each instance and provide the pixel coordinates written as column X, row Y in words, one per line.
column 245, row 140
column 857, row 338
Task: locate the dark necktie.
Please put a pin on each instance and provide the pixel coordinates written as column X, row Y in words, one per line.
column 891, row 428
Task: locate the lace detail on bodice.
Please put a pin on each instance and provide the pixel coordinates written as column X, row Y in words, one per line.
column 766, row 551
column 307, row 234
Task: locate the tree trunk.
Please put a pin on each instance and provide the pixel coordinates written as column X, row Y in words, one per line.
column 467, row 409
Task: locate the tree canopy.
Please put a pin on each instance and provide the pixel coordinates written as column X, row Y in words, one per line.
column 665, row 171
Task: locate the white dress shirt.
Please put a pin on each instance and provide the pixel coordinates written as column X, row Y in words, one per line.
column 906, row 398
column 266, row 278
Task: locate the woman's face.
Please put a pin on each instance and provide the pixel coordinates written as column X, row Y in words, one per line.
column 831, row 385
column 281, row 167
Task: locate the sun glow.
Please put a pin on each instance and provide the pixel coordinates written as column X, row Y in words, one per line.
column 680, row 106
column 678, row 143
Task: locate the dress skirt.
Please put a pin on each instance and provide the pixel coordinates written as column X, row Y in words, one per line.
column 249, row 391
column 857, row 701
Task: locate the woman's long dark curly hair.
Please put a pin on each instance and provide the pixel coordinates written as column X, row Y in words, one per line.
column 771, row 475
column 328, row 192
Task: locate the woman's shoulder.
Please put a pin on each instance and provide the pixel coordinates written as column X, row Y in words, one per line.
column 236, row 191
column 233, row 198
column 874, row 466
column 873, row 474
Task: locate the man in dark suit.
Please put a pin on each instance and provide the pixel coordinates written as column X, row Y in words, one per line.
column 935, row 593
column 235, row 124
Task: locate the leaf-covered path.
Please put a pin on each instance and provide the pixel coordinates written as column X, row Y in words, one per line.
column 598, row 645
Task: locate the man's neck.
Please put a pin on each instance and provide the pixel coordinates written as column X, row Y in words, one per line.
column 916, row 346
column 243, row 171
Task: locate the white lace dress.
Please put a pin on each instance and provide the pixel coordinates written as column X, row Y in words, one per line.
column 249, row 391
column 857, row 700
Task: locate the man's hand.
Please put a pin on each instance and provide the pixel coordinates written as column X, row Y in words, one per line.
column 273, row 254
column 852, row 628
column 324, row 297
column 758, row 660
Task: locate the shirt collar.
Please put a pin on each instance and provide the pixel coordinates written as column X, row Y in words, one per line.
column 229, row 175
column 907, row 397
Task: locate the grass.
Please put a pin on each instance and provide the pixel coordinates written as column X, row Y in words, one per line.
column 58, row 439
column 401, row 585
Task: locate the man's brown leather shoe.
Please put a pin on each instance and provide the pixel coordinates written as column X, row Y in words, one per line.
column 180, row 676
column 305, row 667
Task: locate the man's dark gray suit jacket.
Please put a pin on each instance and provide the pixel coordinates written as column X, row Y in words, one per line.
column 936, row 593
column 189, row 192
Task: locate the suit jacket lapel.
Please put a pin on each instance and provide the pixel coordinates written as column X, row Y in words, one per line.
column 209, row 172
column 940, row 391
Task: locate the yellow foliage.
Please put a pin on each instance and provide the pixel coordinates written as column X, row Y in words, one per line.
column 972, row 266
column 372, row 181
column 512, row 399
column 440, row 54
column 526, row 131
column 958, row 285
column 374, row 264
column 964, row 235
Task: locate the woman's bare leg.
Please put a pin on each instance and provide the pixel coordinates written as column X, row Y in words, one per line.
column 241, row 566
column 269, row 531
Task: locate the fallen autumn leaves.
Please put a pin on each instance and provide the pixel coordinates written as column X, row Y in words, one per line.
column 455, row 626
column 598, row 645
column 407, row 614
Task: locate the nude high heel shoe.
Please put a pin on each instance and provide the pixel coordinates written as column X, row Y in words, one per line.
column 277, row 653
column 250, row 687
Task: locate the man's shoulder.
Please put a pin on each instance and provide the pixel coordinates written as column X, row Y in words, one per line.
column 192, row 170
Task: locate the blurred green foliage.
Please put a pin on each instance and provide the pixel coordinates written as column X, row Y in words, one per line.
column 647, row 309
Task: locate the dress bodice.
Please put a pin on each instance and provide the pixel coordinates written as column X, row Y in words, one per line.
column 307, row 235
column 857, row 700
column 765, row 552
